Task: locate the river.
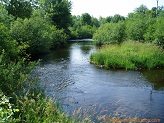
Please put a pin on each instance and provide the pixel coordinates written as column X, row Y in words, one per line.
column 67, row 76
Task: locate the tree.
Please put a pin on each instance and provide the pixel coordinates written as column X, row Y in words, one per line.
column 153, row 12
column 4, row 18
column 109, row 19
column 102, row 20
column 136, row 27
column 116, row 18
column 85, row 31
column 59, row 12
column 141, row 10
column 18, row 8
column 110, row 33
column 95, row 22
column 86, row 19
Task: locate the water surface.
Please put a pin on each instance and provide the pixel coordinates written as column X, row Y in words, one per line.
column 66, row 75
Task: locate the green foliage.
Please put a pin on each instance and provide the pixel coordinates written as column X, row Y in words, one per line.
column 4, row 18
column 10, row 47
column 95, row 22
column 116, row 18
column 38, row 33
column 59, row 11
column 6, row 110
column 86, row 19
column 159, row 34
column 149, row 35
column 18, row 38
column 18, row 8
column 35, row 32
column 104, row 20
column 85, row 31
column 129, row 55
column 141, row 9
column 142, row 25
column 83, row 26
column 59, row 38
column 110, row 33
column 136, row 27
column 13, row 74
column 155, row 33
column 37, row 109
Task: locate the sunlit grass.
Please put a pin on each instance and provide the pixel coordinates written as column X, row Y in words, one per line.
column 129, row 55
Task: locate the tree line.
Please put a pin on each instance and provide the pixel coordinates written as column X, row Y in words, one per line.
column 142, row 25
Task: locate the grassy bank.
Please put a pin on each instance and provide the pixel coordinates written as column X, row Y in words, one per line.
column 129, row 55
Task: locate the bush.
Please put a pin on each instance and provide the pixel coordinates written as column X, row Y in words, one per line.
column 155, row 32
column 4, row 17
column 136, row 28
column 35, row 32
column 81, row 32
column 9, row 45
column 159, row 34
column 39, row 34
column 150, row 32
column 110, row 33
column 85, row 31
column 59, row 38
column 13, row 74
column 130, row 55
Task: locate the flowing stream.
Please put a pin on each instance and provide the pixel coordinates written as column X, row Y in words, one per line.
column 67, row 76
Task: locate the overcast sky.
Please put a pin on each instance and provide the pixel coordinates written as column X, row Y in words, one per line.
column 104, row 8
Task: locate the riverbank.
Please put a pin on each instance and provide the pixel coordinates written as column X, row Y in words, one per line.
column 129, row 55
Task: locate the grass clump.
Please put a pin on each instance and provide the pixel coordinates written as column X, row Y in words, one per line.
column 129, row 55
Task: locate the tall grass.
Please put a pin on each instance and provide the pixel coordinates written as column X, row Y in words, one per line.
column 129, row 55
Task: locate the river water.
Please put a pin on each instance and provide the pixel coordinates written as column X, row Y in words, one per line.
column 67, row 76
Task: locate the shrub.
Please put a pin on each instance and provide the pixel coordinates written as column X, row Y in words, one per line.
column 9, row 45
column 85, row 31
column 35, row 32
column 155, row 33
column 150, row 32
column 13, row 74
column 38, row 33
column 4, row 17
column 59, row 38
column 159, row 34
column 136, row 28
column 81, row 32
column 110, row 33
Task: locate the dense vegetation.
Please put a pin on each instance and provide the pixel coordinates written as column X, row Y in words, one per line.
column 85, row 26
column 26, row 31
column 129, row 55
column 141, row 26
column 29, row 28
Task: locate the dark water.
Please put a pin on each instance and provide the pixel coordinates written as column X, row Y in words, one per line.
column 67, row 76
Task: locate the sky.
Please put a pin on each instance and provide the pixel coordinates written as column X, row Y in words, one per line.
column 104, row 8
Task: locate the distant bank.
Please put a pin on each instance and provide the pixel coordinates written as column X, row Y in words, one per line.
column 81, row 40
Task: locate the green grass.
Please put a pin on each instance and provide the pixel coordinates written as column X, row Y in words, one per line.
column 129, row 55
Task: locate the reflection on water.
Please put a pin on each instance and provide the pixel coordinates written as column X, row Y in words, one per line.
column 67, row 75
column 156, row 77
